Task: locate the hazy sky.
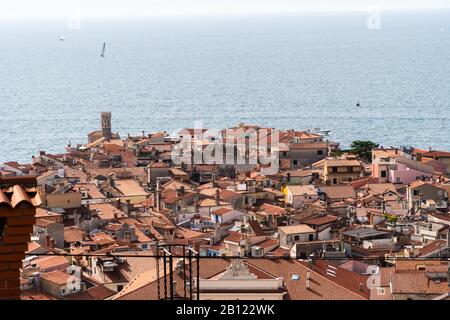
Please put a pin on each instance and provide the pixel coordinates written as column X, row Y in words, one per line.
column 25, row 9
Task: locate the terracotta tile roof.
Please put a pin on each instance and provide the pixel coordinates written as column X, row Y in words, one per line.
column 415, row 184
column 209, row 202
column 339, row 192
column 270, row 209
column 32, row 245
column 73, row 234
column 51, row 263
column 15, row 195
column 441, row 216
column 185, row 233
column 177, row 172
column 57, row 277
column 98, row 292
column 92, row 189
column 222, row 211
column 417, row 282
column 25, row 168
column 342, row 163
column 433, row 247
column 356, row 184
column 381, row 188
column 321, row 287
column 436, row 154
column 352, row 281
column 314, row 145
column 256, row 228
column 192, row 131
column 36, row 295
column 287, row 136
column 309, row 190
column 318, row 221
column 44, row 213
column 155, row 165
column 174, row 184
column 267, row 243
column 300, row 173
column 106, row 211
column 299, row 228
column 130, row 187
column 43, row 223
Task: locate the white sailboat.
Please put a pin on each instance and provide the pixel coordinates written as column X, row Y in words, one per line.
column 61, row 38
column 103, row 50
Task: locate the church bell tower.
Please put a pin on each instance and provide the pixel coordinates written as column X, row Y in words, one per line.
column 106, row 125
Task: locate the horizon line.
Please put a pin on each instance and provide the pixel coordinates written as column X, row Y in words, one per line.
column 227, row 14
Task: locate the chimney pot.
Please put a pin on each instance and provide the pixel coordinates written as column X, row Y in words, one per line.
column 217, row 196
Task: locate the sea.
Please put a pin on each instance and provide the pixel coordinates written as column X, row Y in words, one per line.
column 289, row 71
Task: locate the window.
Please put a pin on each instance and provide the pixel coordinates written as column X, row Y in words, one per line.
column 295, row 162
column 296, row 237
column 334, row 169
column 311, row 237
column 320, row 152
column 334, row 181
column 383, row 173
column 284, row 153
column 420, row 268
column 416, row 192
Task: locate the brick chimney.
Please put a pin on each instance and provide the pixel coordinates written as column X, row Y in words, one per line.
column 18, row 200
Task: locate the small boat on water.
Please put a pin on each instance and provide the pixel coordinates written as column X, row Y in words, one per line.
column 62, row 38
column 103, row 50
column 319, row 131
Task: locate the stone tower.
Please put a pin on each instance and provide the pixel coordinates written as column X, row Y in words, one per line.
column 106, row 125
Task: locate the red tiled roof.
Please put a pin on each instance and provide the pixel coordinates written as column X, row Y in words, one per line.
column 318, row 221
column 221, row 211
column 321, row 287
column 270, row 209
column 234, row 237
column 16, row 194
column 437, row 154
column 433, row 247
column 57, row 277
column 256, row 228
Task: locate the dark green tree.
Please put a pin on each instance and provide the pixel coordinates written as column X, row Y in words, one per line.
column 363, row 149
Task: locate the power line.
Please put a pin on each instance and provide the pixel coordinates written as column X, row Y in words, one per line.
column 87, row 255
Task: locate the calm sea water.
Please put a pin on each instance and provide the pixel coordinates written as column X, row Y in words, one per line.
column 281, row 71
